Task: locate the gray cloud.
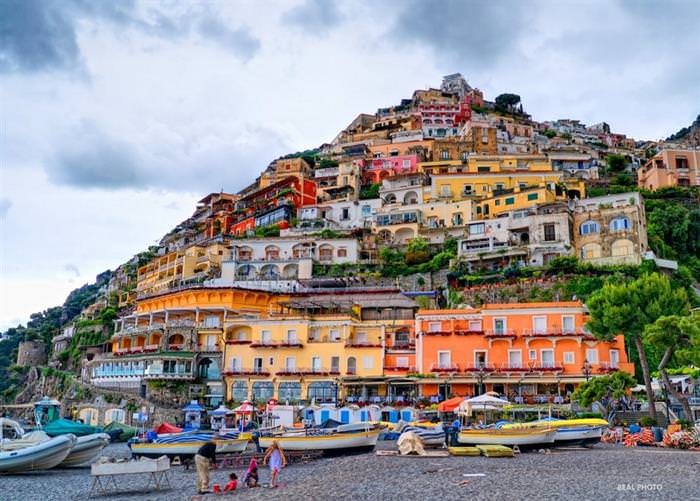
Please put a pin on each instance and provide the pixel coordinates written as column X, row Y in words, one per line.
column 39, row 35
column 70, row 267
column 95, row 161
column 468, row 32
column 315, row 16
column 5, row 204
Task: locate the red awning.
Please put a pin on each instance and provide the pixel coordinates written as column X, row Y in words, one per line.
column 450, row 405
column 167, row 428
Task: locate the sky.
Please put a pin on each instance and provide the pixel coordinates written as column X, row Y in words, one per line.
column 116, row 117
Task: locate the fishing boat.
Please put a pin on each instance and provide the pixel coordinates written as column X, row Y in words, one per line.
column 64, row 426
column 187, row 444
column 353, row 437
column 86, row 450
column 431, row 437
column 586, row 431
column 33, row 455
column 531, row 437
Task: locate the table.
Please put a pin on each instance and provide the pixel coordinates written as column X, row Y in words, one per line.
column 104, row 474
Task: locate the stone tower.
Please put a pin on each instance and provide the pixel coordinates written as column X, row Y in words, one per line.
column 31, row 353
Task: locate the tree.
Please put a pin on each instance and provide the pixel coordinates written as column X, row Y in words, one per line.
column 604, row 390
column 627, row 308
column 507, row 102
column 616, row 163
column 676, row 334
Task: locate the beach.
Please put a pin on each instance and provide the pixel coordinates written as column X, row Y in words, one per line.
column 598, row 473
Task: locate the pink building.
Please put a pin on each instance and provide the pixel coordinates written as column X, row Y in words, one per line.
column 670, row 168
column 377, row 169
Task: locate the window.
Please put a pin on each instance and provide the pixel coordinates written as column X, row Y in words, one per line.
column 362, row 337
column 590, row 251
column 477, row 229
column 589, row 227
column 465, row 154
column 499, row 325
column 622, row 247
column 316, row 364
column 236, row 364
column 498, row 187
column 550, row 233
column 532, row 196
column 467, row 189
column 497, row 203
column 342, row 252
column 445, row 155
column 401, row 361
column 367, row 362
column 567, row 324
column 434, row 327
column 266, row 337
column 258, row 364
column 614, row 358
column 515, row 359
column 480, row 358
column 539, row 325
column 510, row 200
column 366, row 210
column 532, row 355
column 345, row 214
column 352, row 365
column 445, row 190
column 406, row 163
column 291, row 336
column 547, row 358
column 289, row 390
column 569, row 358
column 620, row 224
column 290, row 363
column 475, row 325
column 271, row 361
column 483, row 168
column 239, row 391
column 592, row 355
column 444, row 360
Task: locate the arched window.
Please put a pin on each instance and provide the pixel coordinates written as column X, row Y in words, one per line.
column 322, row 391
column 620, row 224
column 289, row 390
column 589, row 227
column 239, row 391
column 263, row 390
column 590, row 251
column 352, row 366
column 622, row 247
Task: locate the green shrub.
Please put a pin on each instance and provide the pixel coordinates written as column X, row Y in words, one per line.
column 647, row 421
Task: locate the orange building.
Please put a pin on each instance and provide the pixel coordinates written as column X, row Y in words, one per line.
column 537, row 351
column 670, row 168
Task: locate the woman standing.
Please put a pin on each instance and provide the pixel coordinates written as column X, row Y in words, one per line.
column 275, row 457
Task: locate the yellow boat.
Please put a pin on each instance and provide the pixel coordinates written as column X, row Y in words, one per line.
column 557, row 423
column 568, row 431
column 520, row 437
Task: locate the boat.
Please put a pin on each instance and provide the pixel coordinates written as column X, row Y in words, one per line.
column 187, row 444
column 86, row 450
column 521, row 437
column 120, row 432
column 327, row 441
column 431, row 437
column 64, row 426
column 586, row 431
column 39, row 455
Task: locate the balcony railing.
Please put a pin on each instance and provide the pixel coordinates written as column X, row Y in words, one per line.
column 239, row 341
column 436, row 333
column 552, row 332
column 239, row 371
column 444, row 367
column 468, row 332
column 176, row 374
column 362, row 344
column 324, row 339
column 308, row 371
column 399, row 368
column 500, row 333
column 277, row 344
column 176, row 347
column 210, row 348
column 481, row 368
column 401, row 346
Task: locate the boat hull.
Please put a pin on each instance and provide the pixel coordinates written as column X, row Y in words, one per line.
column 186, row 449
column 585, row 435
column 42, row 456
column 521, row 438
column 86, row 450
column 363, row 440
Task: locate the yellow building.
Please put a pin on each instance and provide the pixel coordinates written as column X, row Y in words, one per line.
column 194, row 263
column 319, row 347
column 484, row 164
column 284, row 168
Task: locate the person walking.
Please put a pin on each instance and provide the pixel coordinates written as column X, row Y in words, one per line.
column 203, row 460
column 275, row 457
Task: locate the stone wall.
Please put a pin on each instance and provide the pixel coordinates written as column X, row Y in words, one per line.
column 31, row 353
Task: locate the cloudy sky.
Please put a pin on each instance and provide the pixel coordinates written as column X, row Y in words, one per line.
column 117, row 116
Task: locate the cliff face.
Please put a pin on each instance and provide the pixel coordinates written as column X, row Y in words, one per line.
column 689, row 135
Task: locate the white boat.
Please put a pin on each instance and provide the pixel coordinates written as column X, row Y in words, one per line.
column 568, row 431
column 187, row 444
column 509, row 437
column 39, row 456
column 332, row 441
column 86, row 450
column 430, row 437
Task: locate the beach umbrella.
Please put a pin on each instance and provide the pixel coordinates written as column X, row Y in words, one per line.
column 245, row 408
column 450, row 405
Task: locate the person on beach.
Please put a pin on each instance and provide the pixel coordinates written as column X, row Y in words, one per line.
column 251, row 475
column 203, row 460
column 232, row 483
column 275, row 457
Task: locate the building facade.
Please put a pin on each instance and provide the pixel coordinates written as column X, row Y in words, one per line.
column 670, row 167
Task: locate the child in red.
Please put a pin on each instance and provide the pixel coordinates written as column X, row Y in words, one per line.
column 232, row 484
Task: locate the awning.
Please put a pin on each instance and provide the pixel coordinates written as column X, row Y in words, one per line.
column 450, row 405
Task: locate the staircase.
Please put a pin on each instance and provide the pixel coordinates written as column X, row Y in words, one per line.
column 633, row 417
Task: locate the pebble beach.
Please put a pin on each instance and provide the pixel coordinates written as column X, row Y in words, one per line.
column 598, row 473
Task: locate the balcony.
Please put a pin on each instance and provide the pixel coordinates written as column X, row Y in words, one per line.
column 176, row 347
column 444, row 368
column 468, row 332
column 500, row 333
column 324, row 339
column 402, row 347
column 436, row 333
column 169, row 375
column 399, row 368
column 239, row 341
column 277, row 344
column 481, row 368
column 552, row 332
column 362, row 344
column 209, row 348
column 238, row 371
column 309, row 371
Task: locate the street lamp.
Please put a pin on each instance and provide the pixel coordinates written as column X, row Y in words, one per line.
column 480, row 376
column 587, row 369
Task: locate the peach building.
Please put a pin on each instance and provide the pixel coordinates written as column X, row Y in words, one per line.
column 670, row 168
column 537, row 351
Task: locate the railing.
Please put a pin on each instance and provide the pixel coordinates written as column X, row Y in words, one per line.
column 436, row 333
column 399, row 368
column 552, row 332
column 468, row 332
column 309, row 371
column 239, row 341
column 481, row 368
column 176, row 374
column 444, row 368
column 500, row 333
column 176, row 347
column 277, row 344
column 401, row 346
column 324, row 339
column 362, row 344
column 209, row 348
column 239, row 371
